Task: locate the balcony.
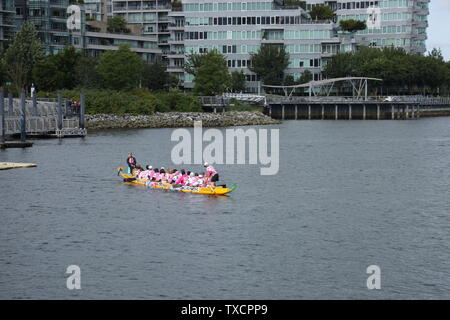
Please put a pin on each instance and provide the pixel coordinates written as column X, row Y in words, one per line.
column 58, row 4
column 176, row 41
column 175, row 54
column 135, row 8
column 174, row 26
column 175, row 69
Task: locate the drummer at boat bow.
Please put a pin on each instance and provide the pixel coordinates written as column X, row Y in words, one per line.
column 131, row 162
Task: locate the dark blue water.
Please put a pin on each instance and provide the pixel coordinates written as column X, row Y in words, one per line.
column 349, row 194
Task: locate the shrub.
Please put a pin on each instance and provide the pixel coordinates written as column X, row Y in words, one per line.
column 352, row 25
column 139, row 101
column 239, row 106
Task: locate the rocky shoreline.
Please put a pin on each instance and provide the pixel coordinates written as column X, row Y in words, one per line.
column 177, row 120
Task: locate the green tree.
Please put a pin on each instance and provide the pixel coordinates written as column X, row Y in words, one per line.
column 436, row 53
column 447, row 67
column 67, row 61
column 86, row 72
column 238, row 81
column 57, row 71
column 306, row 77
column 2, row 70
column 46, row 74
column 295, row 3
column 117, row 24
column 321, row 12
column 176, row 100
column 121, row 69
column 289, row 80
column 212, row 77
column 155, row 77
column 269, row 64
column 401, row 72
column 351, row 25
column 193, row 62
column 22, row 55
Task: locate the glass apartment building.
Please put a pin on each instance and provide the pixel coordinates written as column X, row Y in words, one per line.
column 402, row 23
column 150, row 15
column 94, row 43
column 237, row 28
column 7, row 22
column 170, row 30
column 49, row 17
column 96, row 10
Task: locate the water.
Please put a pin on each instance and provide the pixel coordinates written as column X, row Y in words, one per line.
column 349, row 194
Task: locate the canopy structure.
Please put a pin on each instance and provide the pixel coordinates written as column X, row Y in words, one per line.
column 359, row 85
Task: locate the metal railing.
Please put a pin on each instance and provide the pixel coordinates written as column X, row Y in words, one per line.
column 214, row 101
column 422, row 100
column 43, row 117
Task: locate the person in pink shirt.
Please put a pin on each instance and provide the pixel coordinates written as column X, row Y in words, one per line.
column 144, row 175
column 151, row 172
column 137, row 171
column 192, row 179
column 180, row 177
column 174, row 177
column 200, row 182
column 211, row 174
column 185, row 178
column 156, row 176
column 172, row 173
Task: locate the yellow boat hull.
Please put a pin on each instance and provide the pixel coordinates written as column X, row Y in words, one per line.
column 168, row 186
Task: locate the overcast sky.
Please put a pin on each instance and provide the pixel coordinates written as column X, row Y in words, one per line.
column 439, row 30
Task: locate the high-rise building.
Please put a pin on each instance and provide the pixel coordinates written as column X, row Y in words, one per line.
column 96, row 10
column 95, row 36
column 399, row 23
column 237, row 28
column 7, row 23
column 172, row 29
column 49, row 18
column 151, row 16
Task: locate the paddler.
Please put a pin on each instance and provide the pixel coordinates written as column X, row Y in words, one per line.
column 211, row 174
column 144, row 175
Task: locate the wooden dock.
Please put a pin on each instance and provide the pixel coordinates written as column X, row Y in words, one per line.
column 355, row 110
column 15, row 165
column 349, row 108
column 15, row 144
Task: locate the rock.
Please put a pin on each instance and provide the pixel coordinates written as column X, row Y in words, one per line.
column 178, row 119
